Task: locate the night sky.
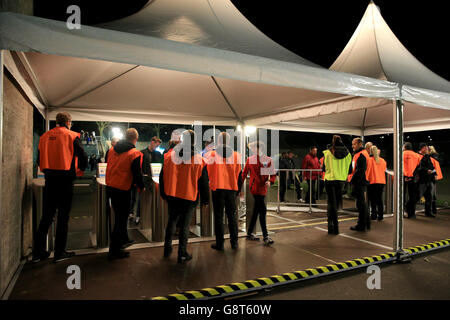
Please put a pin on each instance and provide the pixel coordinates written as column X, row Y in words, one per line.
column 317, row 31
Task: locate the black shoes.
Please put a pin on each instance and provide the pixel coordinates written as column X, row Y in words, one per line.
column 40, row 257
column 252, row 236
column 184, row 258
column 127, row 244
column 167, row 252
column 431, row 215
column 268, row 241
column 216, row 247
column 118, row 255
column 373, row 217
column 234, row 246
column 63, row 256
column 358, row 228
column 333, row 228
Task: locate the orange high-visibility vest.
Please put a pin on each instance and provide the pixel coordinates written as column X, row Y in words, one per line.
column 437, row 166
column 377, row 173
column 56, row 149
column 223, row 173
column 355, row 160
column 410, row 162
column 118, row 171
column 181, row 180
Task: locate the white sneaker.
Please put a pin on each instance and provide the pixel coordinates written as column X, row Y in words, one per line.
column 268, row 240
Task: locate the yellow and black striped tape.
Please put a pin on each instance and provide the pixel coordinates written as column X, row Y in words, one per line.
column 290, row 277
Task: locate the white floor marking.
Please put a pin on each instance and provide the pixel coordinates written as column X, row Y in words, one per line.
column 361, row 240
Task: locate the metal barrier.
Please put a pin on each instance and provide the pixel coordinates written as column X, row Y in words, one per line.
column 310, row 171
column 38, row 199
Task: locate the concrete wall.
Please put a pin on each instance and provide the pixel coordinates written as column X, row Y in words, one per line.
column 19, row 6
column 16, row 204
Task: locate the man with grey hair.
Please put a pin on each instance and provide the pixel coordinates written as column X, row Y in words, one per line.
column 123, row 171
column 114, row 141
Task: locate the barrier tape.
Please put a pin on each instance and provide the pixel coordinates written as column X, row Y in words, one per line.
column 237, row 288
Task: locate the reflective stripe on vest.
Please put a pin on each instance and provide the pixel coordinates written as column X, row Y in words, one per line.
column 181, row 180
column 377, row 173
column 437, row 166
column 355, row 160
column 118, row 171
column 223, row 173
column 410, row 162
column 56, row 149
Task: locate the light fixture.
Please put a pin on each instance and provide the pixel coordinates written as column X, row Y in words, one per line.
column 249, row 130
column 117, row 133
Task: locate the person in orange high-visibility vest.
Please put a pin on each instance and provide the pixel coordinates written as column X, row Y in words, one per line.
column 123, row 172
column 359, row 182
column 183, row 178
column 411, row 161
column 224, row 172
column 377, row 181
column 60, row 158
column 439, row 176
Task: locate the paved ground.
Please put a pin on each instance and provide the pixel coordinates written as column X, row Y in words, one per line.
column 301, row 242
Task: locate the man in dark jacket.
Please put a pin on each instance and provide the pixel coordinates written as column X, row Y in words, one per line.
column 123, row 172
column 310, row 161
column 426, row 174
column 359, row 183
column 283, row 164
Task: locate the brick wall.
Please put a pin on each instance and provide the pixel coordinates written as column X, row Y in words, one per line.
column 16, row 205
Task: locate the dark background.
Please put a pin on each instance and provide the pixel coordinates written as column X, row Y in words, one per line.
column 317, row 31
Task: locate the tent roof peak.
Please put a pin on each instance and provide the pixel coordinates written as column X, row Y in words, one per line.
column 374, row 51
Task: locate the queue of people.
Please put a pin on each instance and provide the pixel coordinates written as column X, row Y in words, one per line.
column 188, row 175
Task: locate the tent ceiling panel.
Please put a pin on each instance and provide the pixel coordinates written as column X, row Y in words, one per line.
column 252, row 100
column 65, row 78
column 150, row 90
column 376, row 120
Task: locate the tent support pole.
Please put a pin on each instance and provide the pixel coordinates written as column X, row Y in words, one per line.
column 1, row 124
column 47, row 119
column 398, row 179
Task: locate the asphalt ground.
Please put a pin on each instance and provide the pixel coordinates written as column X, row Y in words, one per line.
column 301, row 242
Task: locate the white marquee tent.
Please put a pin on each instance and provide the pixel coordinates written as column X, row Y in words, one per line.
column 174, row 62
column 374, row 51
column 179, row 61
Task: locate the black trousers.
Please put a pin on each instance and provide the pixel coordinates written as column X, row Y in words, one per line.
column 259, row 210
column 58, row 193
column 298, row 189
column 375, row 194
column 334, row 198
column 283, row 186
column 411, row 189
column 120, row 202
column 225, row 199
column 312, row 185
column 182, row 211
column 363, row 217
column 434, row 198
column 426, row 190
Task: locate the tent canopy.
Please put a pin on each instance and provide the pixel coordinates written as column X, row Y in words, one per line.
column 173, row 62
column 374, row 51
column 179, row 62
